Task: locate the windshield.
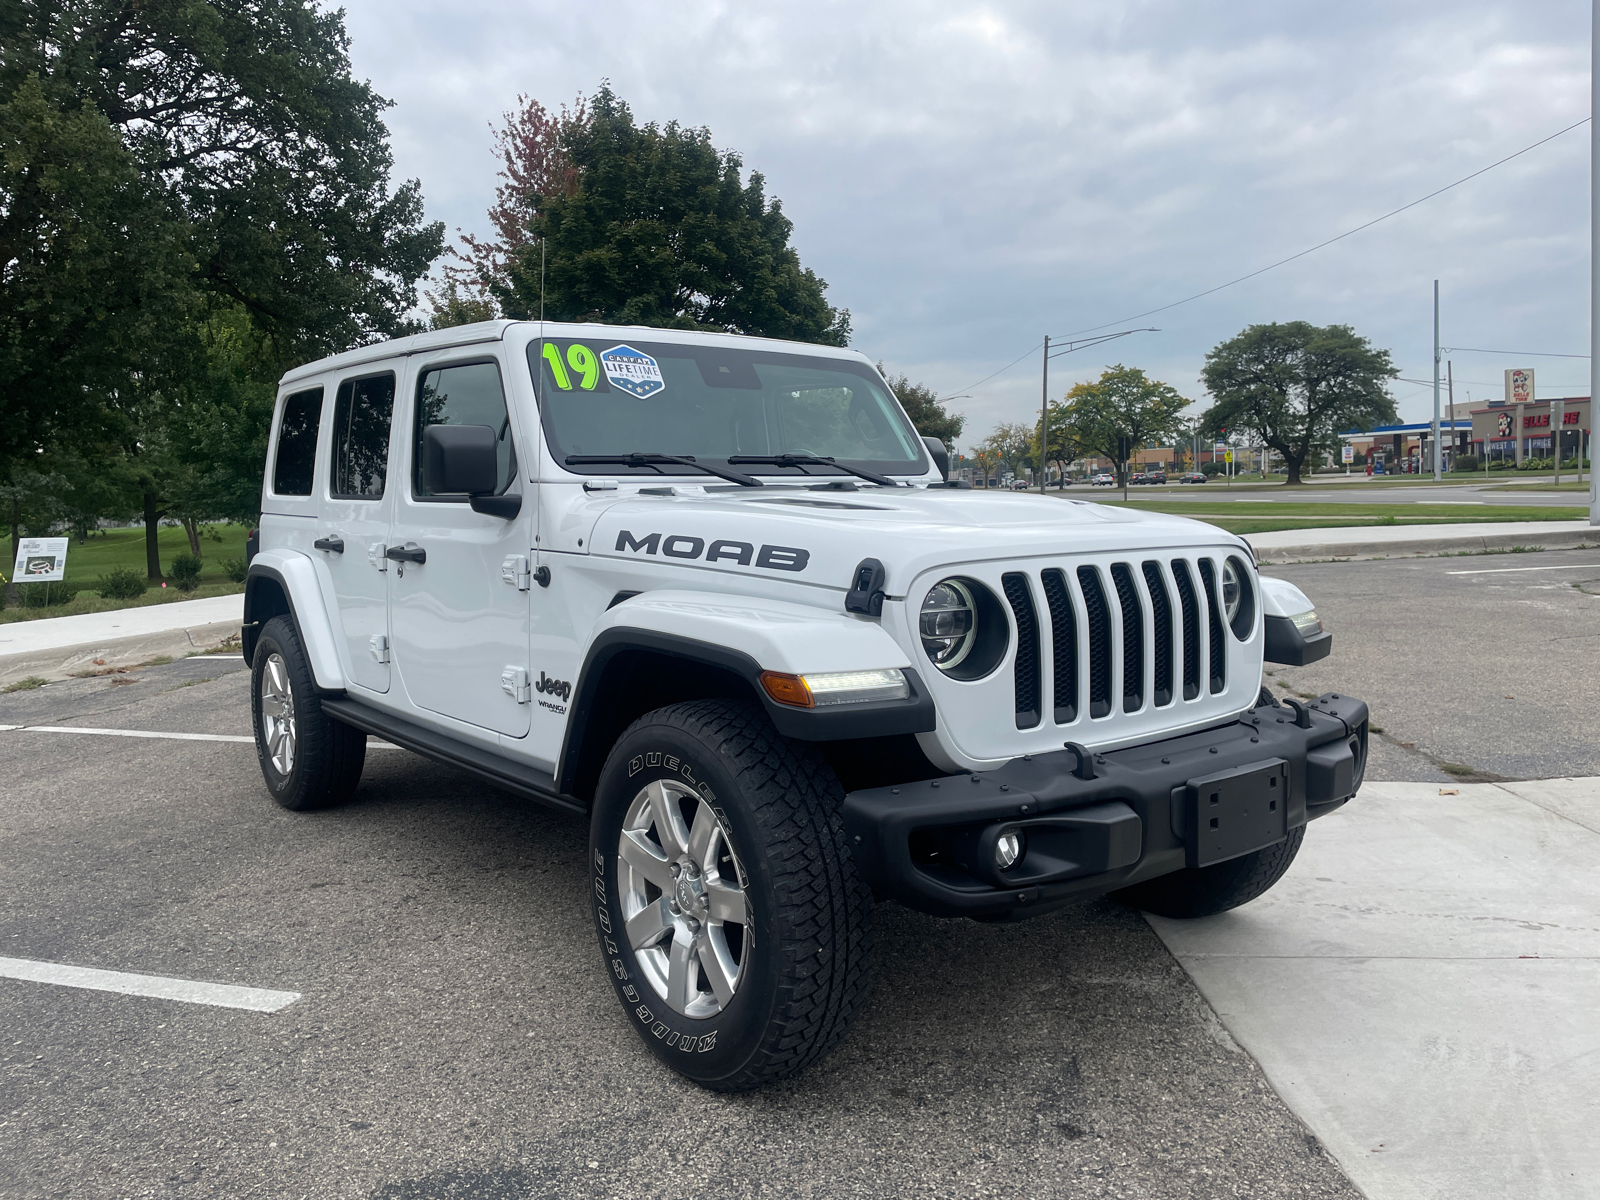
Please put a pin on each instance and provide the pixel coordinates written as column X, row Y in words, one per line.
column 605, row 396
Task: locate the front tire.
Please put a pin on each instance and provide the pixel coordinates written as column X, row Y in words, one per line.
column 734, row 926
column 309, row 759
column 1206, row 891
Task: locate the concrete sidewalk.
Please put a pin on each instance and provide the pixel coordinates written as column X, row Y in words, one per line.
column 56, row 647
column 1399, row 541
column 1423, row 987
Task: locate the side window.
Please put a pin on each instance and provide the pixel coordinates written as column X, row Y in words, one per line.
column 467, row 394
column 361, row 416
column 297, row 443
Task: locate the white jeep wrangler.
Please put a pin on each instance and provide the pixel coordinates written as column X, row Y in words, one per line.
column 715, row 594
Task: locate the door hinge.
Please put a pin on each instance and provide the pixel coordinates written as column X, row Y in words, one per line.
column 514, row 682
column 376, row 556
column 514, row 570
column 378, row 647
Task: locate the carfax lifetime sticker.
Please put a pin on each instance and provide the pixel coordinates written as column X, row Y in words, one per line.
column 634, row 371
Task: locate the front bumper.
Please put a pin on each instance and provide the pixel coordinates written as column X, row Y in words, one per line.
column 1100, row 822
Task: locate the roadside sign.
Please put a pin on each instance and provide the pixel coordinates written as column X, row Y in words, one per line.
column 1519, row 385
column 41, row 560
column 1228, row 457
column 1348, row 454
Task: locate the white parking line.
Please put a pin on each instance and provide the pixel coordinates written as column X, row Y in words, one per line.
column 372, row 744
column 1511, row 570
column 219, row 995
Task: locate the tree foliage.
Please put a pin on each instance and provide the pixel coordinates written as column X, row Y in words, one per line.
column 663, row 231
column 1296, row 386
column 926, row 410
column 194, row 194
column 1063, row 449
column 1121, row 413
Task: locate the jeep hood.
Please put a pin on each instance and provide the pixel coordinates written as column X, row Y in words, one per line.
column 818, row 537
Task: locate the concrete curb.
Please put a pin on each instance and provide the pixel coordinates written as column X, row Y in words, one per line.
column 66, row 661
column 1428, row 547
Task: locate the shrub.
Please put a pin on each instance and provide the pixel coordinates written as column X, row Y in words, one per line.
column 1465, row 462
column 236, row 569
column 41, row 595
column 186, row 570
column 123, row 583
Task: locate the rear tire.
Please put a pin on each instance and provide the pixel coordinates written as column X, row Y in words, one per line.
column 739, row 941
column 1205, row 891
column 309, row 759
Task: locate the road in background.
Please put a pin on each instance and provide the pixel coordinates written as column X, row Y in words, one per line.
column 1484, row 662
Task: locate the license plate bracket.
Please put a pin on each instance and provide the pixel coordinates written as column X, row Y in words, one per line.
column 1236, row 812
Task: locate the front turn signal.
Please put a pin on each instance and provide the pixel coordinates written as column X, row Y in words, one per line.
column 787, row 689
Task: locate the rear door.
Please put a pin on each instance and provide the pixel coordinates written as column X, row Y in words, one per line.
column 356, row 515
column 460, row 617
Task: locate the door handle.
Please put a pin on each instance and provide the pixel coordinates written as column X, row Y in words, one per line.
column 334, row 545
column 410, row 554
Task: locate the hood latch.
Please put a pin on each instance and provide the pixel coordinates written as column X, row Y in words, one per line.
column 866, row 589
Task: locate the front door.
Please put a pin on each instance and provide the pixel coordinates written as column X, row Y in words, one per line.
column 351, row 539
column 460, row 616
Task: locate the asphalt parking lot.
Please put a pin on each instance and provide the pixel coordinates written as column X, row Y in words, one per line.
column 454, row 1035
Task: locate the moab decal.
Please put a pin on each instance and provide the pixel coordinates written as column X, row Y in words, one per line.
column 684, row 546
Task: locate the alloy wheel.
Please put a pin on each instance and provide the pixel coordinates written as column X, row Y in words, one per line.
column 277, row 715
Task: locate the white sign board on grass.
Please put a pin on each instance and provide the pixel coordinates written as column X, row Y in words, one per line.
column 1349, row 453
column 41, row 560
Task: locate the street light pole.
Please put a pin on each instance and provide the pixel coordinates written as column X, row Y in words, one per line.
column 1594, row 261
column 1044, row 416
column 1436, row 470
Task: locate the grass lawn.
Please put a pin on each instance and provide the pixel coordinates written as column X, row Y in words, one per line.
column 88, row 561
column 1289, row 515
column 1573, row 486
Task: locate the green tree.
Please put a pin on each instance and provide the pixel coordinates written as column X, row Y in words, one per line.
column 1121, row 413
column 1296, row 386
column 1063, row 449
column 926, row 410
column 1013, row 446
column 661, row 230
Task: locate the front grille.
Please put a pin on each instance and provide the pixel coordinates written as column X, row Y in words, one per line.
column 1028, row 675
column 1093, row 654
column 1132, row 639
column 1094, row 605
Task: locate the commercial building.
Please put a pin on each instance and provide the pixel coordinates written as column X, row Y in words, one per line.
column 1527, row 429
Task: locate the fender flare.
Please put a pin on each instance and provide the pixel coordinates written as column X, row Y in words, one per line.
column 295, row 576
column 741, row 637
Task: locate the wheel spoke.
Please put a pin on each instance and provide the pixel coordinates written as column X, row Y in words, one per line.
column 727, row 903
column 718, row 964
column 646, row 927
column 669, row 821
column 682, row 981
column 640, row 853
column 702, row 834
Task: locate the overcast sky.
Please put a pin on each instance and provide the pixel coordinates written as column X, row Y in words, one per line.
column 969, row 178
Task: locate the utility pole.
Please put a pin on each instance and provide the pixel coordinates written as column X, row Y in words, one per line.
column 1437, row 474
column 1594, row 257
column 1044, row 415
column 1450, row 403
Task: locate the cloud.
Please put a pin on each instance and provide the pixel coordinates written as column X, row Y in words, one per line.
column 970, row 177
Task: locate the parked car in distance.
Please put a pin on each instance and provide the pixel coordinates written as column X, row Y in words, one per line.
column 1158, row 476
column 1193, row 477
column 1103, row 479
column 1019, row 485
column 1138, row 477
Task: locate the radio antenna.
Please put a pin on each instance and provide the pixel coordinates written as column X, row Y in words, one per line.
column 541, row 280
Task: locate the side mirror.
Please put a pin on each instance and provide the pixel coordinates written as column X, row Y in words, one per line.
column 459, row 459
column 940, row 456
column 463, row 460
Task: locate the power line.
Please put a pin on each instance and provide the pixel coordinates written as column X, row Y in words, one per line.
column 1513, row 353
column 1002, row 370
column 1332, row 240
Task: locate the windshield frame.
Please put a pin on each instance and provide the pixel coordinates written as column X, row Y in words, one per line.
column 779, row 353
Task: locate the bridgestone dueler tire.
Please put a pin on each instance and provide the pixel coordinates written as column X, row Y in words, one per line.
column 1205, row 891
column 808, row 970
column 329, row 754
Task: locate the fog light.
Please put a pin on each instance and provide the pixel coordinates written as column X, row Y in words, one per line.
column 1008, row 848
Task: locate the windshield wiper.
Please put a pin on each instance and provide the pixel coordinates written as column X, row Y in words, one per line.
column 809, row 460
column 638, row 459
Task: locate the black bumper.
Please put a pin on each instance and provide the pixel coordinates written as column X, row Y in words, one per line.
column 1101, row 822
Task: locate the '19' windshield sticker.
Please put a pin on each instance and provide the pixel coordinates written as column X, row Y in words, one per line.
column 580, row 359
column 634, row 371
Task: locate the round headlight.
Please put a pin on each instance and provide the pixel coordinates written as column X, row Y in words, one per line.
column 1238, row 598
column 948, row 624
column 1232, row 590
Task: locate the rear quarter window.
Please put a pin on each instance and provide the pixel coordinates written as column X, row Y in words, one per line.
column 297, row 443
